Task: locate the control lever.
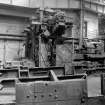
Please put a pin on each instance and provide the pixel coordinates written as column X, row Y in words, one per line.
column 53, row 76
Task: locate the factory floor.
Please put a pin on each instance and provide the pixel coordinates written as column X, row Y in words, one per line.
column 93, row 86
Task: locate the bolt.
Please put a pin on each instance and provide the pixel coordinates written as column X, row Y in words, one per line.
column 28, row 96
column 42, row 95
column 46, row 84
column 50, row 94
column 55, row 90
column 35, row 96
column 56, row 96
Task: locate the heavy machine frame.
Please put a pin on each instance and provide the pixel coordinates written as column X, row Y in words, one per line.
column 49, row 31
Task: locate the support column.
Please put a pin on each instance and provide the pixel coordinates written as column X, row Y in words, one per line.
column 81, row 22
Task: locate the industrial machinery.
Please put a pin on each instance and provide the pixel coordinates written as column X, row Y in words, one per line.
column 47, row 32
column 8, row 77
column 90, row 57
column 50, row 84
column 63, row 90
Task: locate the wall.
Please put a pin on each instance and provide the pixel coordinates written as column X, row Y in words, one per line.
column 45, row 3
column 54, row 3
column 11, row 50
column 92, row 24
column 11, row 38
column 94, row 5
column 24, row 3
column 5, row 1
column 12, row 25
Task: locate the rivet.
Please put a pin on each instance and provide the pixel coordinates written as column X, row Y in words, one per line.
column 50, row 94
column 28, row 96
column 42, row 95
column 56, row 96
column 46, row 84
column 55, row 90
column 35, row 96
